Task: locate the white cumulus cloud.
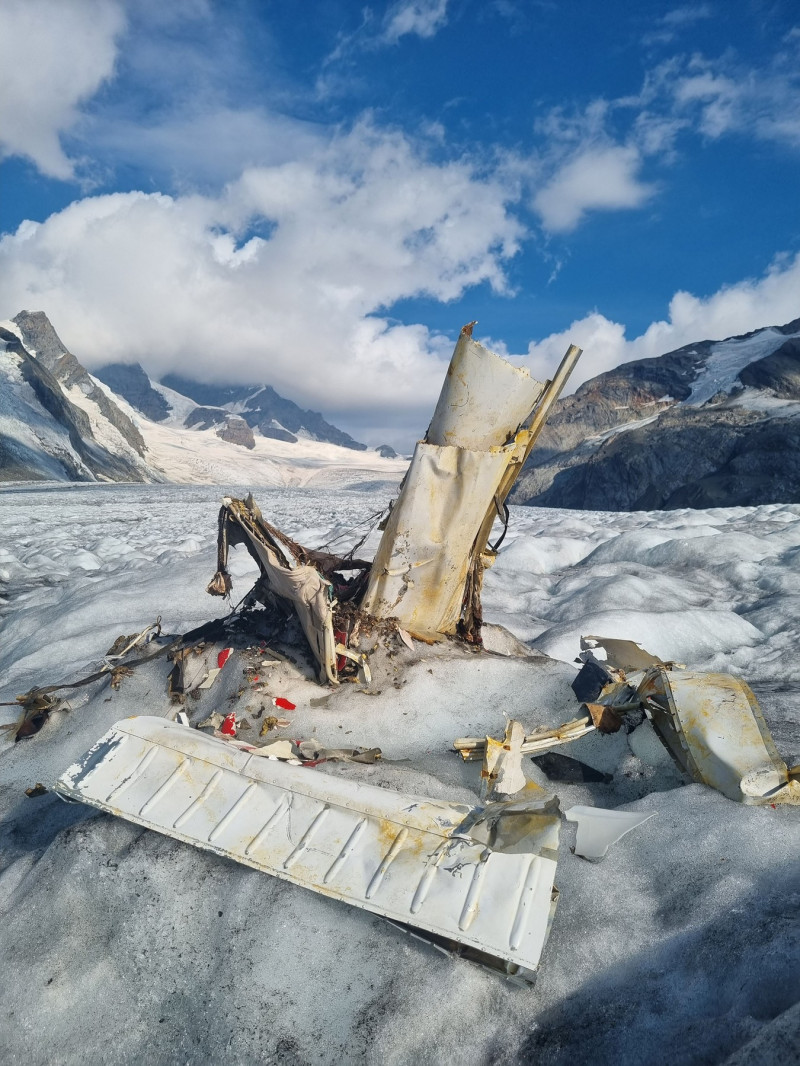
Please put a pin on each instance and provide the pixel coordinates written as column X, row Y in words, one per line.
column 597, row 178
column 772, row 300
column 57, row 54
column 191, row 283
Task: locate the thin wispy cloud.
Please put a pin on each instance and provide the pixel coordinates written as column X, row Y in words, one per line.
column 403, row 19
column 423, row 18
column 687, row 15
column 725, row 97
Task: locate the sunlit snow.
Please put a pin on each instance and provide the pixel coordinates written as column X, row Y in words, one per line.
column 120, row 945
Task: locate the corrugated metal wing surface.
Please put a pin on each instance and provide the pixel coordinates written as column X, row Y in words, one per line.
column 489, row 887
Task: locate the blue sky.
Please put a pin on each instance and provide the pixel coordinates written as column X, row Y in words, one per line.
column 318, row 195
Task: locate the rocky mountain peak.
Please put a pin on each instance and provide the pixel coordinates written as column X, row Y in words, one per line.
column 41, row 339
column 712, row 423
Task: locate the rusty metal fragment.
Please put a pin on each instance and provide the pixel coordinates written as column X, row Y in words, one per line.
column 625, row 655
column 606, row 719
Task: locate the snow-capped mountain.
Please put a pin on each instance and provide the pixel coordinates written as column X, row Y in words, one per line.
column 715, row 423
column 58, row 422
column 235, row 410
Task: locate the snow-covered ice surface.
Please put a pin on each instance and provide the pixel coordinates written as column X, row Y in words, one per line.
column 200, row 457
column 123, row 946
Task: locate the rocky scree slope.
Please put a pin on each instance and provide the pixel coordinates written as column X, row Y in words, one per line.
column 711, row 424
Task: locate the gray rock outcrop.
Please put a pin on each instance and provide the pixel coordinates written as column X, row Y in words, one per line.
column 237, row 431
column 633, row 439
column 130, row 381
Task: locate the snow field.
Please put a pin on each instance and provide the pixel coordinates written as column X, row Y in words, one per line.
column 124, row 946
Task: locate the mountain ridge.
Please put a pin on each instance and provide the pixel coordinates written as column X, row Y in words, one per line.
column 58, row 422
column 711, row 423
column 47, row 433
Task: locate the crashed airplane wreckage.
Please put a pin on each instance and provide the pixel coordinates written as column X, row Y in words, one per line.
column 476, row 880
column 428, row 570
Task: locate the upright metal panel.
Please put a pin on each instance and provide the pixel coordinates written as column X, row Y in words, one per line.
column 484, row 399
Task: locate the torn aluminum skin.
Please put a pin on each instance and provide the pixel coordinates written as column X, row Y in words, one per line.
column 714, row 729
column 478, row 880
column 473, row 748
column 428, row 568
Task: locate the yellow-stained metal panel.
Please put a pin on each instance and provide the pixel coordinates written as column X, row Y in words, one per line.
column 715, row 730
column 484, row 399
column 420, row 568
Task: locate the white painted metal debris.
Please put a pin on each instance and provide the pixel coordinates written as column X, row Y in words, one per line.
column 598, row 829
column 542, row 739
column 502, row 774
column 476, row 879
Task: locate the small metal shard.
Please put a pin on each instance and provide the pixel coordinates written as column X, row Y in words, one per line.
column 598, row 829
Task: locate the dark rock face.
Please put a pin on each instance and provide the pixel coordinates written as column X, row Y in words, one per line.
column 207, row 395
column 39, row 336
column 779, row 372
column 132, row 383
column 276, row 432
column 237, row 431
column 205, row 417
column 386, row 451
column 689, row 458
column 719, row 454
column 231, row 428
column 263, row 409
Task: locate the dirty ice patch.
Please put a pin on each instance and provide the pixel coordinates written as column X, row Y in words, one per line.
column 687, row 636
column 634, row 545
column 647, row 590
column 707, row 552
